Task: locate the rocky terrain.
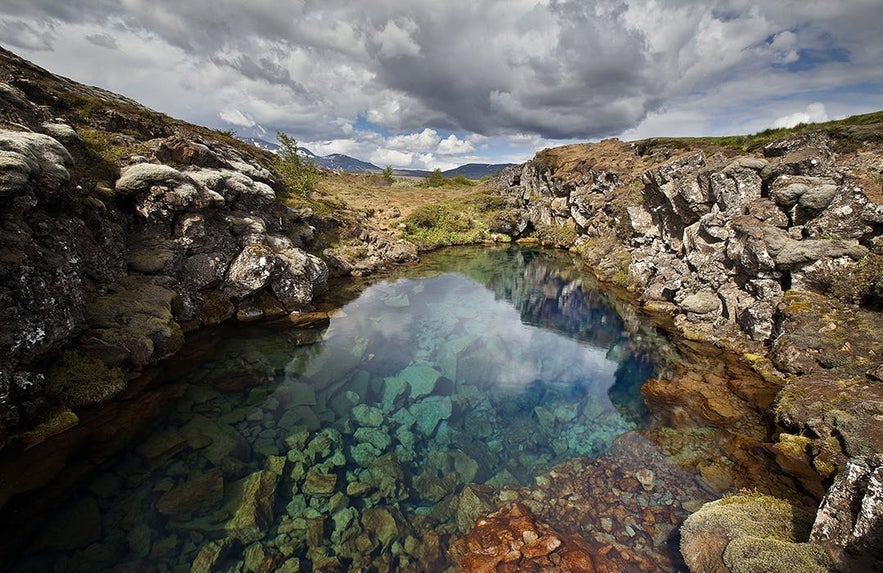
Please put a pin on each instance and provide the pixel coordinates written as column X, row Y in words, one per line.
column 123, row 230
column 774, row 256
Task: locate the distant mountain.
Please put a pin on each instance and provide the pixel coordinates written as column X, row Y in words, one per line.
column 341, row 162
column 274, row 147
column 335, row 161
column 476, row 170
column 411, row 172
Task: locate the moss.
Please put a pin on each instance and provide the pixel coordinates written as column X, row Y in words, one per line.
column 757, row 555
column 80, row 381
column 861, row 283
column 443, row 224
column 793, row 445
column 557, row 235
column 55, row 424
column 788, row 398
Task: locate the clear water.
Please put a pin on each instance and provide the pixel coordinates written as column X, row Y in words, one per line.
column 342, row 446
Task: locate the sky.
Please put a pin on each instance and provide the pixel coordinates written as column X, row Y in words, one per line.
column 428, row 84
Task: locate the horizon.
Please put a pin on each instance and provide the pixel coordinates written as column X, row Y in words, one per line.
column 425, row 86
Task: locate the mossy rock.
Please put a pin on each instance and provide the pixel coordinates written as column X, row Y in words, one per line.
column 80, row 381
column 134, row 323
column 727, row 536
column 758, row 555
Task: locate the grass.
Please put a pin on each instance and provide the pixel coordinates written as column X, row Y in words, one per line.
column 838, row 129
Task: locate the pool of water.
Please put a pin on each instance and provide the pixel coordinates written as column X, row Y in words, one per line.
column 346, row 445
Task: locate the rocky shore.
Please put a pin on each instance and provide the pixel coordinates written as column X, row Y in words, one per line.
column 122, row 230
column 775, row 258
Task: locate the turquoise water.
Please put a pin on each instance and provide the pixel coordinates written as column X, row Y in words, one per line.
column 346, row 445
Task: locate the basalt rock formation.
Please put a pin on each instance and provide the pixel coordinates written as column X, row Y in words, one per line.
column 122, row 229
column 775, row 256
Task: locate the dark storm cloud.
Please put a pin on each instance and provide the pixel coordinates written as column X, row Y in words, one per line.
column 557, row 68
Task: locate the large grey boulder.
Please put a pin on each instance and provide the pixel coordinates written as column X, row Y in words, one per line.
column 795, row 254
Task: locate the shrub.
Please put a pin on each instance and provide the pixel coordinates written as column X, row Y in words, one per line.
column 297, row 175
column 435, row 179
column 442, row 224
column 387, row 173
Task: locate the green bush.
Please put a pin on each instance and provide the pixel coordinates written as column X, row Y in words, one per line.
column 436, row 179
column 297, row 175
column 442, row 224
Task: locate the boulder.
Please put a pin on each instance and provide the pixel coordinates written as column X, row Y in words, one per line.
column 251, row 502
column 751, row 533
column 701, row 303
column 32, row 162
column 849, row 523
column 196, row 496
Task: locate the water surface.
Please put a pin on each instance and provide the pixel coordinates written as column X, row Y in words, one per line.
column 347, row 445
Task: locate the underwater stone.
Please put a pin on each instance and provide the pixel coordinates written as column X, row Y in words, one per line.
column 421, row 379
column 545, row 418
column 393, row 387
column 473, row 502
column 342, row 519
column 363, row 454
column 217, row 442
column 297, row 440
column 323, row 443
column 404, row 419
column 366, row 415
column 300, row 417
column 301, row 394
column 465, row 466
column 319, row 483
column 358, row 488
column 430, row 411
column 342, row 403
column 381, row 524
column 211, row 555
column 193, row 497
column 374, row 436
column 253, row 498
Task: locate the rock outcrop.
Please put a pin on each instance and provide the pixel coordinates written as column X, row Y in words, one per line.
column 123, row 229
column 775, row 257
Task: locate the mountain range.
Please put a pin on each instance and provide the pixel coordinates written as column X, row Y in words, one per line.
column 341, row 162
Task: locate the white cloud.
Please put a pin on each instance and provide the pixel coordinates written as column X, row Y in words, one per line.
column 452, row 145
column 384, row 157
column 426, row 140
column 396, row 38
column 814, row 113
column 236, row 117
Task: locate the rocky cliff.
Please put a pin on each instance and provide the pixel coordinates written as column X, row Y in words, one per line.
column 122, row 229
column 772, row 252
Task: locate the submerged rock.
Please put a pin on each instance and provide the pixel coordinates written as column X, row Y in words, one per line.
column 512, row 539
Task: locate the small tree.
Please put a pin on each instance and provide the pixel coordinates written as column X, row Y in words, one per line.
column 387, row 173
column 298, row 175
column 436, row 179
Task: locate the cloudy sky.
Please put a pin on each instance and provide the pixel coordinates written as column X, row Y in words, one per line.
column 426, row 83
